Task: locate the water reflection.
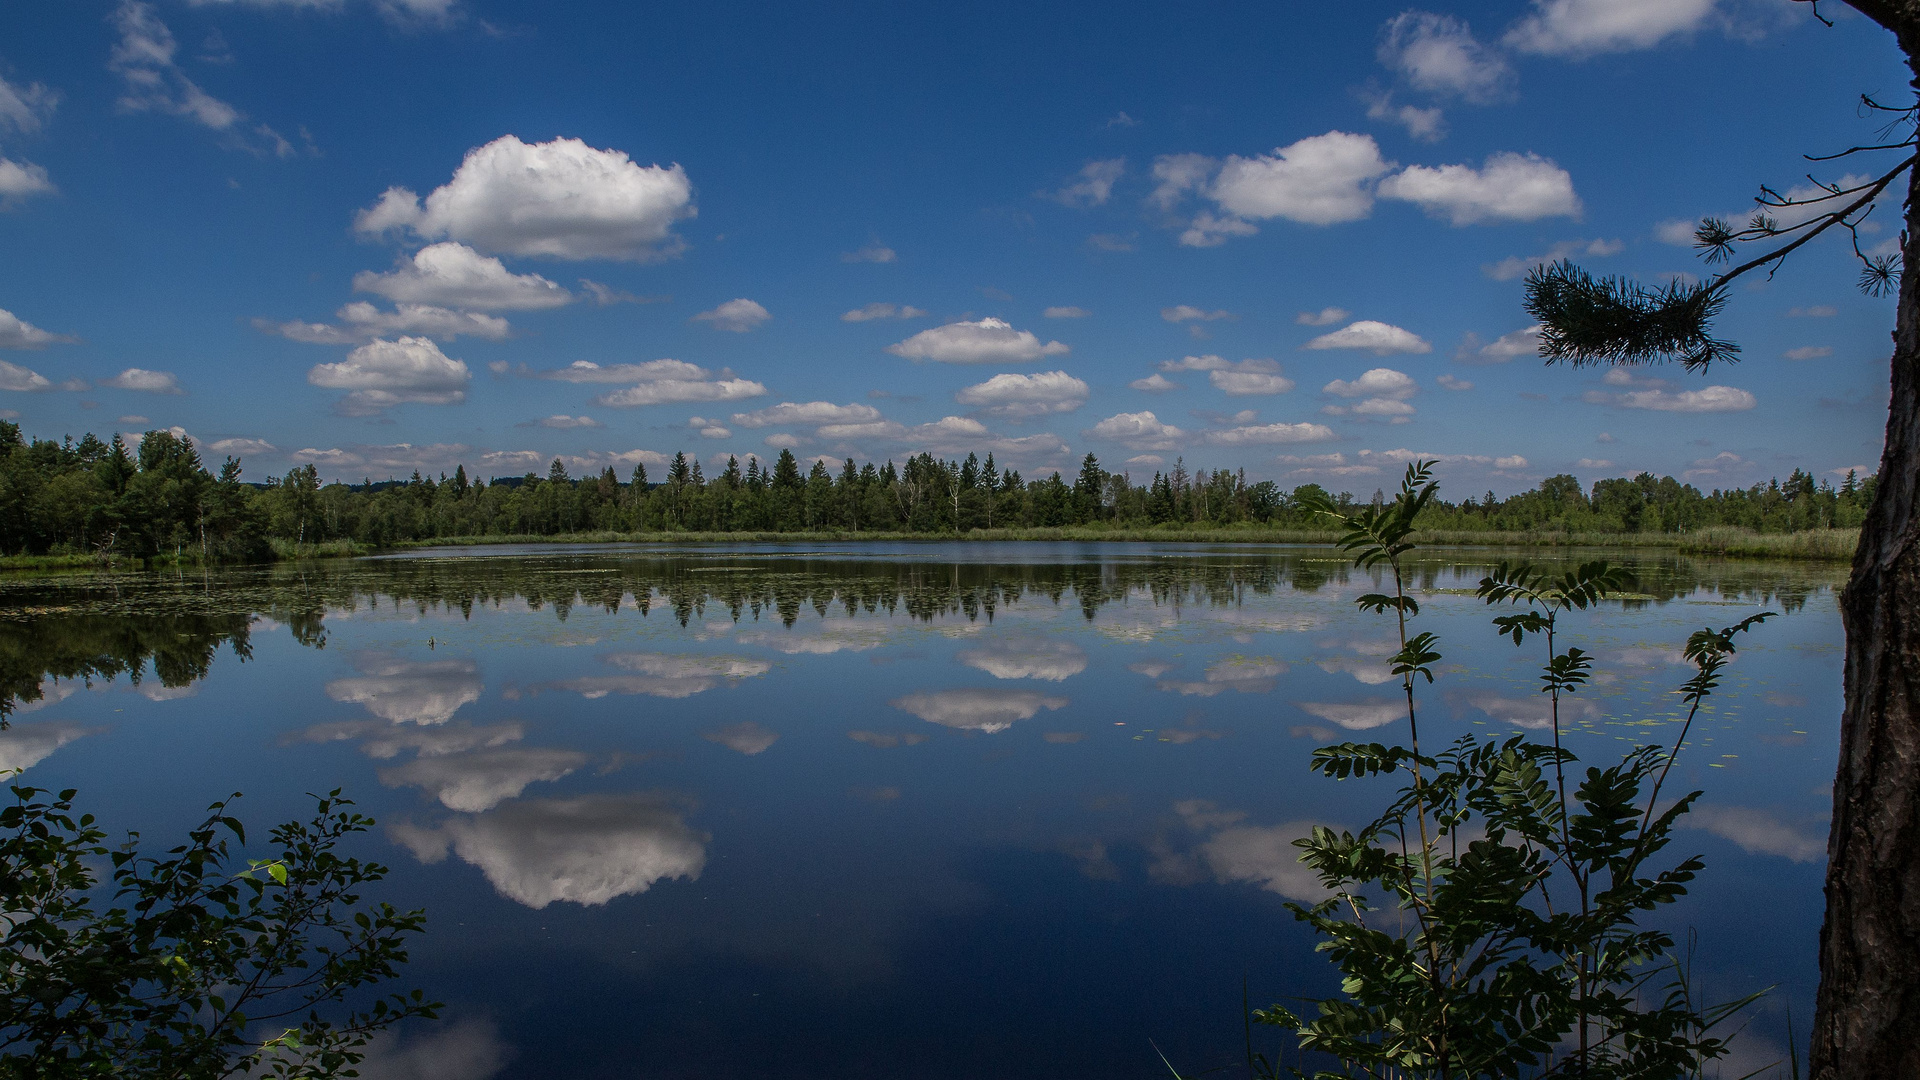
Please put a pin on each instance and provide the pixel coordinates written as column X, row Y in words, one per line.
column 587, row 850
column 1050, row 661
column 409, row 691
column 984, row 710
column 1759, row 832
column 1243, row 674
column 386, row 741
column 1356, row 716
column 22, row 746
column 746, row 737
column 479, row 780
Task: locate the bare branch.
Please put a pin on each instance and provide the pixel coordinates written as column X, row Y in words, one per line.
column 1825, row 222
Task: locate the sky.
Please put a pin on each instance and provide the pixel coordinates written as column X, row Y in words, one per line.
column 387, row 235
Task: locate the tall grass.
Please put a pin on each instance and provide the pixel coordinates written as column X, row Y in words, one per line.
column 1837, row 544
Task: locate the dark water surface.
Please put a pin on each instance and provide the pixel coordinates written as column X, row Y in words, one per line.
column 929, row 810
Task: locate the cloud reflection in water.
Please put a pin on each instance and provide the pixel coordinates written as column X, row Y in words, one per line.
column 407, row 691
column 983, row 710
column 1050, row 661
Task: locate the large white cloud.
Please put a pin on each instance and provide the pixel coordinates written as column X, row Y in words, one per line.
column 403, row 691
column 1439, row 54
column 17, row 333
column 1507, row 187
column 1378, row 338
column 1027, row 395
column 1320, row 180
column 987, row 341
column 383, row 373
column 454, row 275
column 982, row 710
column 1138, row 431
column 585, row 851
column 562, row 199
column 811, row 413
column 1266, row 434
column 1583, row 27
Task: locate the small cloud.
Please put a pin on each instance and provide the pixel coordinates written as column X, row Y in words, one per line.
column 131, row 421
column 1808, row 352
column 872, row 253
column 1326, row 316
column 1094, row 186
column 1378, row 338
column 1065, row 313
column 1154, row 384
column 1120, row 120
column 144, row 381
column 1593, row 463
column 882, row 310
column 607, row 295
column 1188, row 313
column 986, row 341
column 562, row 422
column 745, row 737
column 1146, row 459
column 739, row 316
column 1606, row 437
column 1110, row 242
column 1500, row 350
column 1452, row 383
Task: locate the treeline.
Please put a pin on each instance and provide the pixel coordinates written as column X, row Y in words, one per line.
column 160, row 500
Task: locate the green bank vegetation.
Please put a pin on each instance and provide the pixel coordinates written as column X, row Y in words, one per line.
column 92, row 501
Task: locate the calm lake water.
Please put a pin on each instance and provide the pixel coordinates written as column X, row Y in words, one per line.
column 939, row 810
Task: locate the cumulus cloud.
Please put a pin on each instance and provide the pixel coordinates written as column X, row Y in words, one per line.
column 1154, row 384
column 1138, row 431
column 882, row 311
column 745, row 737
column 657, row 382
column 454, row 275
column 1019, row 396
column 1425, row 124
column 22, row 746
column 1356, row 716
column 812, row 413
column 1377, row 382
column 1264, row 856
column 1515, row 266
column 1508, row 187
column 364, row 321
column 1378, row 338
column 561, row 199
column 1326, row 316
column 1188, row 313
column 381, row 374
column 1525, row 342
column 1241, row 674
column 1178, row 174
column 872, row 253
column 1093, row 184
column 984, row 710
column 482, row 779
column 586, row 371
column 1319, row 180
column 1585, row 27
column 1249, row 383
column 563, row 422
column 468, row 1049
column 1758, row 832
column 1048, row 661
column 1642, row 392
column 1451, row 382
column 738, row 315
column 21, row 180
column 1268, row 434
column 987, row 341
column 1065, row 313
column 17, row 333
column 404, row 691
column 584, row 851
column 1439, row 54
column 144, row 381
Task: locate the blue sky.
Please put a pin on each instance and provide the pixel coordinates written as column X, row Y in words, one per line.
column 382, row 236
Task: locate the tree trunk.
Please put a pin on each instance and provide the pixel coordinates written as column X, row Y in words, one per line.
column 1867, row 1015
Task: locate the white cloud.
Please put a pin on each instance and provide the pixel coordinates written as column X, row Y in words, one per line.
column 585, row 851
column 1318, row 180
column 1187, row 312
column 586, row 371
column 1375, row 382
column 1065, row 313
column 1508, row 187
column 467, row 1049
column 1178, row 174
column 1515, row 266
column 1241, row 674
column 565, row 423
column 22, row 180
column 745, row 737
column 23, row 746
column 455, row 275
column 1269, row 434
column 872, row 253
column 681, row 391
column 984, row 710
column 384, row 373
column 1439, row 54
column 243, row 447
column 26, row 109
column 1356, row 717
column 1721, row 464
column 882, row 311
column 1326, row 316
column 1111, row 241
column 739, row 315
column 1265, row 856
column 1808, row 352
column 143, row 57
column 1388, row 409
column 1208, row 230
column 365, row 321
column 1378, row 338
column 1451, row 382
column 988, row 341
column 1425, row 124
column 811, row 413
column 1094, row 184
column 1146, row 459
column 1585, row 27
column 1758, row 832
column 562, row 199
column 1049, row 661
column 1593, row 463
column 149, row 382
column 1249, row 383
column 710, row 429
column 17, row 333
column 1704, row 400
column 1015, row 395
column 1138, row 431
column 402, row 691
column 1524, row 342
column 1154, row 384
column 480, row 780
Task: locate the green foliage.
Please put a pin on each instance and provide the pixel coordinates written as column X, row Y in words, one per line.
column 194, row 968
column 1488, row 922
column 1588, row 320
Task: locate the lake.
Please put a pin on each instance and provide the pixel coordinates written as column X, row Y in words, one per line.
column 928, row 809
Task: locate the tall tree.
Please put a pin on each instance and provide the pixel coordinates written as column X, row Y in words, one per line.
column 1867, row 1012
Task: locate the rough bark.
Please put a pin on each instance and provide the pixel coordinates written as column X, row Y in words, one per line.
column 1867, row 1015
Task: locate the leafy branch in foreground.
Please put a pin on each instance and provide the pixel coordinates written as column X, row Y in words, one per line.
column 197, row 969
column 1487, row 922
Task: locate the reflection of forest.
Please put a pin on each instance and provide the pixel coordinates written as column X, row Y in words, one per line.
column 103, row 625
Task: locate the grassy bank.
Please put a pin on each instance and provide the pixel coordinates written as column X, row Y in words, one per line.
column 1824, row 544
column 65, row 562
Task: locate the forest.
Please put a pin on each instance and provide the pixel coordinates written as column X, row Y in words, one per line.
column 161, row 501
